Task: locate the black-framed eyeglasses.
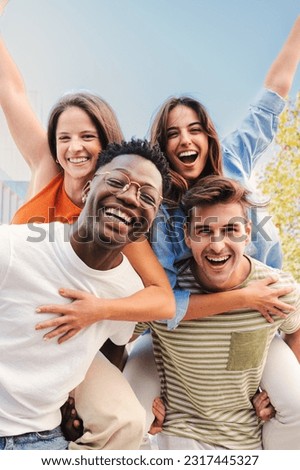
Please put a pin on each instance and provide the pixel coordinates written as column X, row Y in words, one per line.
column 118, row 182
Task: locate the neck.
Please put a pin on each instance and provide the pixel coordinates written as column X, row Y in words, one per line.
column 73, row 188
column 94, row 255
column 232, row 282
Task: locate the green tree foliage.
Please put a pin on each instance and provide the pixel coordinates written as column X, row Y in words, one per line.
column 281, row 183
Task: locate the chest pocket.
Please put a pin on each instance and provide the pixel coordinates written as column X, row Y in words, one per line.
column 247, row 349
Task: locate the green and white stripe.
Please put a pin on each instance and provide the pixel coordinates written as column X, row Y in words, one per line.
column 211, row 368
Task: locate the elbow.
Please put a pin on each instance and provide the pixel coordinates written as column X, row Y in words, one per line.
column 171, row 311
column 166, row 305
column 169, row 306
column 281, row 81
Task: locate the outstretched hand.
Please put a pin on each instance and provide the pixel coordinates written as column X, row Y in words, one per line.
column 72, row 317
column 266, row 299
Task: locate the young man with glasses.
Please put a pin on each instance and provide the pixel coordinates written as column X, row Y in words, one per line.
column 36, row 375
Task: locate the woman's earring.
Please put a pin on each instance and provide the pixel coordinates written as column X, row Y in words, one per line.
column 85, row 191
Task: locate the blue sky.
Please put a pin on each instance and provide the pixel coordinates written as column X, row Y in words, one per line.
column 136, row 53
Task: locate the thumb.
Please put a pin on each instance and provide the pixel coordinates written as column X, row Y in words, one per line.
column 271, row 279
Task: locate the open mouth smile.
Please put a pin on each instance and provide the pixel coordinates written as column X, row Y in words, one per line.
column 78, row 160
column 189, row 156
column 118, row 215
column 217, row 261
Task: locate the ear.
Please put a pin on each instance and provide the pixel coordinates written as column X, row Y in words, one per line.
column 248, row 230
column 85, row 191
column 186, row 236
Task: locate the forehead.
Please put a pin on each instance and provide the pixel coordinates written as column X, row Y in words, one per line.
column 74, row 116
column 181, row 115
column 218, row 215
column 139, row 169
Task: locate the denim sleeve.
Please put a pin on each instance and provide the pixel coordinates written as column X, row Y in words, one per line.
column 182, row 298
column 244, row 147
column 168, row 244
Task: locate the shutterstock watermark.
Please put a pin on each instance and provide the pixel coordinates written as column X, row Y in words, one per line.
column 89, row 229
column 163, row 230
column 171, row 230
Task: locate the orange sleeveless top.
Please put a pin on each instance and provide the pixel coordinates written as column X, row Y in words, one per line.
column 51, row 204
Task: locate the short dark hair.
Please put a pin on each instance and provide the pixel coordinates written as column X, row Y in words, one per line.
column 138, row 147
column 213, row 190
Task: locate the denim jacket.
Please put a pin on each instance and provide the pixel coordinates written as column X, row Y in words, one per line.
column 241, row 150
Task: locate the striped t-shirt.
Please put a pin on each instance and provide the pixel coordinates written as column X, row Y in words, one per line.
column 210, row 368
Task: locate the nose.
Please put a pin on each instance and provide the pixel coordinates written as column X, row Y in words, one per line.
column 75, row 145
column 185, row 138
column 218, row 242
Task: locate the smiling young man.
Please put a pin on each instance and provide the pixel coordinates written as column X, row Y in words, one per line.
column 211, row 368
column 37, row 376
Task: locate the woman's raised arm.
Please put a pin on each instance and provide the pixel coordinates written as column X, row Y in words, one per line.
column 25, row 128
column 282, row 71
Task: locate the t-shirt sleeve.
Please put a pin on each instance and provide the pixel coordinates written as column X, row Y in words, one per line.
column 292, row 322
column 141, row 328
column 122, row 333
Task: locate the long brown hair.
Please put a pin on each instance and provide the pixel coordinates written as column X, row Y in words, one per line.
column 99, row 111
column 158, row 135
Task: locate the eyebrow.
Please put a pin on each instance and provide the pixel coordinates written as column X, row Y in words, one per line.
column 226, row 226
column 126, row 172
column 67, row 131
column 189, row 125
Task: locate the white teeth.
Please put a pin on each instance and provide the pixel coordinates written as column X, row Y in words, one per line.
column 188, row 153
column 78, row 159
column 218, row 260
column 112, row 212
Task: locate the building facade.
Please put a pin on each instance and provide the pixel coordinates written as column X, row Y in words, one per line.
column 12, row 196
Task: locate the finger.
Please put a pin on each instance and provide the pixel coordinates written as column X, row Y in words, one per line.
column 260, row 404
column 267, row 413
column 263, row 405
column 158, row 409
column 279, row 305
column 158, row 405
column 154, row 428
column 158, row 401
column 53, row 323
column 160, row 416
column 77, row 424
column 54, row 308
column 71, row 402
column 284, row 291
column 275, row 311
column 270, row 279
column 67, row 336
column 266, row 315
column 259, row 397
column 72, row 293
column 61, row 330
